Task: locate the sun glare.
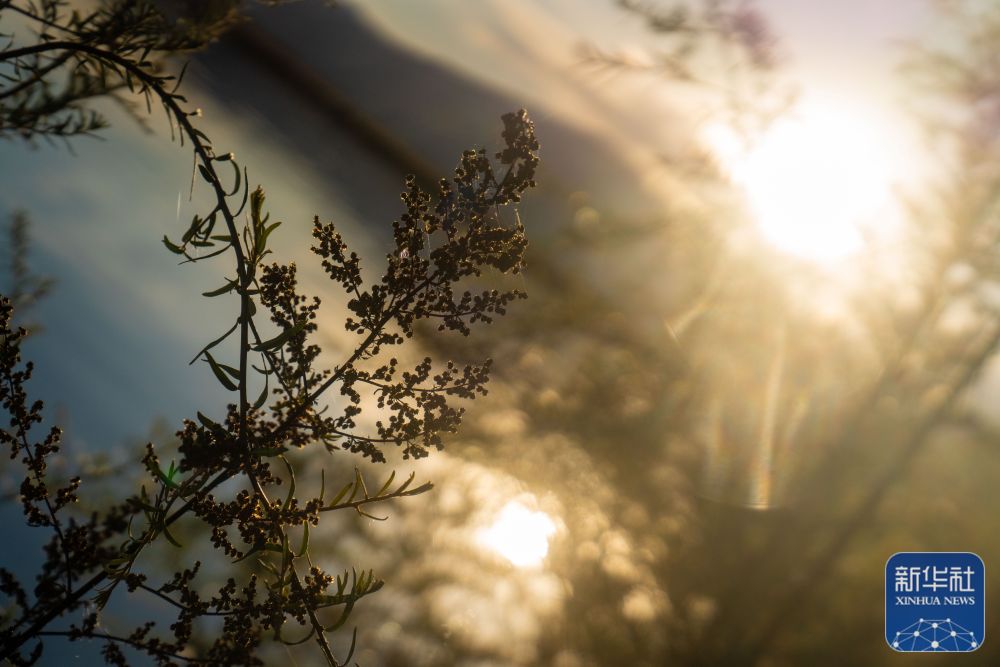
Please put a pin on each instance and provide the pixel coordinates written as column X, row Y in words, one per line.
column 817, row 182
column 519, row 534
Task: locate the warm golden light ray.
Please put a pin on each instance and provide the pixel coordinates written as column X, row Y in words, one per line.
column 817, row 182
column 762, row 482
column 518, row 534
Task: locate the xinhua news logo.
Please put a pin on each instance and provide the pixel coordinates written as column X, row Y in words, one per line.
column 935, row 602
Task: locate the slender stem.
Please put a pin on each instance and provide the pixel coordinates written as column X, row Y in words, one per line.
column 391, row 312
column 37, row 76
column 204, row 156
column 358, row 504
column 41, row 19
column 56, row 525
column 73, row 636
column 72, row 599
column 245, row 278
column 319, row 631
column 16, row 641
column 166, row 598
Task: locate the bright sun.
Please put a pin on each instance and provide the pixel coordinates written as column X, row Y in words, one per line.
column 817, row 181
column 518, row 534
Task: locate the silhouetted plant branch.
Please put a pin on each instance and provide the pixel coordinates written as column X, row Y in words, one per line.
column 441, row 243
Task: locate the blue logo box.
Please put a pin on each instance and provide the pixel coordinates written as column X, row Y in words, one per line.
column 935, row 602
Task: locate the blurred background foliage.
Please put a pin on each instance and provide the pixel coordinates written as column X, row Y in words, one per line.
column 699, row 448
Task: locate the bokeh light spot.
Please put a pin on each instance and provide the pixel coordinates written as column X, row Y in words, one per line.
column 518, row 534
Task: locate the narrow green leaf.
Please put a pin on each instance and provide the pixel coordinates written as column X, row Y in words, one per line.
column 176, row 249
column 270, row 568
column 219, row 373
column 259, row 403
column 343, row 492
column 359, row 483
column 348, row 608
column 192, row 229
column 101, row 599
column 237, row 179
column 233, row 372
column 165, row 479
column 281, row 338
column 291, row 483
column 423, row 488
column 205, row 421
column 170, row 538
column 206, row 174
column 225, row 289
column 256, row 205
column 385, row 486
column 305, row 540
column 215, row 342
column 261, row 243
column 406, row 484
column 214, row 253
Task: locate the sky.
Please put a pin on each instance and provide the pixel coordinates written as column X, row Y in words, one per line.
column 847, row 49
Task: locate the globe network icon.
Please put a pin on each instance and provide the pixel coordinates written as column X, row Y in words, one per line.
column 935, row 602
